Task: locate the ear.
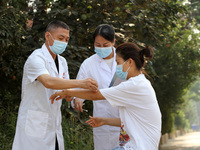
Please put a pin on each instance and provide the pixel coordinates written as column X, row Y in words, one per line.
column 114, row 42
column 131, row 62
column 47, row 36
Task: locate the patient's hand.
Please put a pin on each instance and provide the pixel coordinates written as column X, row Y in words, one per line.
column 60, row 95
column 95, row 121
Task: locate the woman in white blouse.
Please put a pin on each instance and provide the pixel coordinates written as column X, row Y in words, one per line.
column 139, row 112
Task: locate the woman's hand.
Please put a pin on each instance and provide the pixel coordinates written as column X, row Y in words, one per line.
column 95, row 121
column 78, row 104
column 60, row 95
column 68, row 98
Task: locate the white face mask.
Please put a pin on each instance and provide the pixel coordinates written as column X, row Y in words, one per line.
column 120, row 73
column 58, row 47
column 103, row 52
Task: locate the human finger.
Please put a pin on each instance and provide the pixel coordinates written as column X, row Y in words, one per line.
column 93, row 83
column 91, row 119
column 88, row 121
column 52, row 98
column 68, row 98
column 58, row 98
column 76, row 107
column 80, row 105
column 93, row 88
column 80, row 108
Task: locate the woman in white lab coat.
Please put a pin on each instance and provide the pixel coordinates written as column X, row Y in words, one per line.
column 101, row 67
column 138, row 107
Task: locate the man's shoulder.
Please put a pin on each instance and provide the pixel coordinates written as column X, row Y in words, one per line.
column 35, row 53
column 35, row 56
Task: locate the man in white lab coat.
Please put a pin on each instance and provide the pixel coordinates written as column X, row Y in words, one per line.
column 45, row 71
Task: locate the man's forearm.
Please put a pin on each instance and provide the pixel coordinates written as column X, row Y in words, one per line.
column 58, row 83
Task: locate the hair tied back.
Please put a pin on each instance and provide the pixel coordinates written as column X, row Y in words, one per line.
column 147, row 52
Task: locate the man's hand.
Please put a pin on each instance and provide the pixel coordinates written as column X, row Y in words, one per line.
column 78, row 104
column 90, row 84
column 95, row 121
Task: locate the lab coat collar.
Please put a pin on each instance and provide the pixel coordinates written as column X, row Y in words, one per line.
column 103, row 64
column 50, row 59
column 60, row 65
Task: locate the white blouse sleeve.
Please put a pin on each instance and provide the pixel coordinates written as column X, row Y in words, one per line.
column 35, row 66
column 117, row 95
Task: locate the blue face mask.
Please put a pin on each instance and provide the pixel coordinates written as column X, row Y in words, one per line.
column 58, row 47
column 103, row 52
column 120, row 73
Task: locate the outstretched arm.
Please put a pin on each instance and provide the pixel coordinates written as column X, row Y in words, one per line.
column 99, row 121
column 58, row 83
column 80, row 93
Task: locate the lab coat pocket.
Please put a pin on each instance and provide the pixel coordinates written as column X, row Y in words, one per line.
column 36, row 123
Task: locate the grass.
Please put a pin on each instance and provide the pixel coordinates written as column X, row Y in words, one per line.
column 77, row 135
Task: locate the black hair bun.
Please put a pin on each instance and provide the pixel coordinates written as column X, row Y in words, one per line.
column 147, row 52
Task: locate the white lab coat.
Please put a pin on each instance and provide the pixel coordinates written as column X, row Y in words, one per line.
column 105, row 137
column 39, row 121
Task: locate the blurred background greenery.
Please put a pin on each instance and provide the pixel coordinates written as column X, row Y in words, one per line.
column 171, row 27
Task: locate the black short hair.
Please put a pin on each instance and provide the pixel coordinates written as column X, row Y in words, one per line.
column 56, row 24
column 106, row 31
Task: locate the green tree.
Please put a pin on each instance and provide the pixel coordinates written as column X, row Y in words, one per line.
column 195, row 9
column 177, row 67
column 13, row 52
column 163, row 24
column 192, row 105
column 181, row 122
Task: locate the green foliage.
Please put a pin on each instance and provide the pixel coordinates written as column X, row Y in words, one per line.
column 195, row 9
column 176, row 66
column 7, row 126
column 167, row 120
column 190, row 112
column 77, row 134
column 163, row 24
column 140, row 22
column 13, row 53
column 180, row 121
column 194, row 92
column 192, row 105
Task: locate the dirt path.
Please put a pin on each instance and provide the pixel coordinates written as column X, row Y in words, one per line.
column 189, row 141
